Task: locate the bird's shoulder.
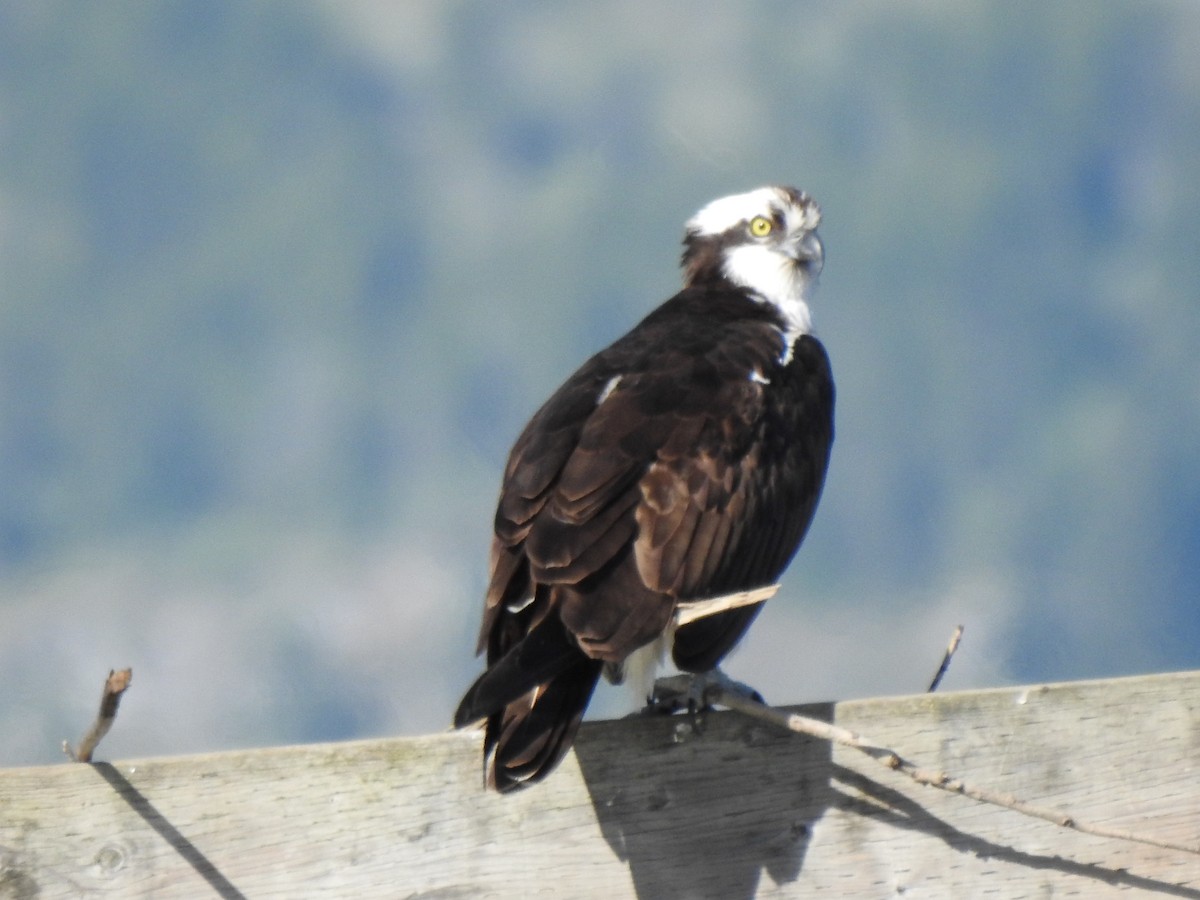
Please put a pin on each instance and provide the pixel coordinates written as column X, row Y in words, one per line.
column 704, row 351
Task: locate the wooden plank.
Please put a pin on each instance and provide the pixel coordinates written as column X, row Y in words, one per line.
column 645, row 808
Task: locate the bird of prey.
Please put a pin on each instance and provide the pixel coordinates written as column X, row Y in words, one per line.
column 684, row 461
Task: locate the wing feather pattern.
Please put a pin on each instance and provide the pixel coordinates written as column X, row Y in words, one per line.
column 658, row 472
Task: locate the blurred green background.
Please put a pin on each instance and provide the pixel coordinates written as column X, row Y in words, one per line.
column 281, row 281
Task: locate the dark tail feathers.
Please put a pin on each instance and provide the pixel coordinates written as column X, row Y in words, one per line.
column 528, row 733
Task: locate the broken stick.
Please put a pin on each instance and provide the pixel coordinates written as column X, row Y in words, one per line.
column 114, row 686
column 950, row 648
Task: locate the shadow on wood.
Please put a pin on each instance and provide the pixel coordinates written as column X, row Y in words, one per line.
column 895, row 810
column 169, row 833
column 701, row 808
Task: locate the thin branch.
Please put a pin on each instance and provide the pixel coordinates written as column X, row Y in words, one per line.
column 114, row 686
column 691, row 610
column 950, row 648
column 931, row 777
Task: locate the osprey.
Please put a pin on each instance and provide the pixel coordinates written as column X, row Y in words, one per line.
column 683, row 462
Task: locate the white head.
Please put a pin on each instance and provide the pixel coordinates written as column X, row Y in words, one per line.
column 764, row 241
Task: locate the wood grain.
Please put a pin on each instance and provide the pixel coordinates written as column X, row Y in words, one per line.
column 645, row 808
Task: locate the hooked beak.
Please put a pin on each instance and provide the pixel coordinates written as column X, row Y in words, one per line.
column 809, row 253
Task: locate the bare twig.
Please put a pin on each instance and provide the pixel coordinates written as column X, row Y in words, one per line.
column 114, row 686
column 691, row 610
column 933, row 778
column 950, row 648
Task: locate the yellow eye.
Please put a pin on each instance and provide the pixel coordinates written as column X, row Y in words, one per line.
column 760, row 226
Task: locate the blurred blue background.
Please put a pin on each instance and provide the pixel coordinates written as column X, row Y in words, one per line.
column 280, row 283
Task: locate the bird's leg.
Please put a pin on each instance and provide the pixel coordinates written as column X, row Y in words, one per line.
column 694, row 692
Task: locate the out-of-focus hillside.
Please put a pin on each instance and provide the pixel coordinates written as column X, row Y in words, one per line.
column 280, row 282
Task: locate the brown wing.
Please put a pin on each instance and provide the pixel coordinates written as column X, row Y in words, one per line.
column 565, row 533
column 531, row 477
column 621, row 509
column 693, row 498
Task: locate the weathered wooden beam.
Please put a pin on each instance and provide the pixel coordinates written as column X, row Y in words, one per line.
column 645, row 808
